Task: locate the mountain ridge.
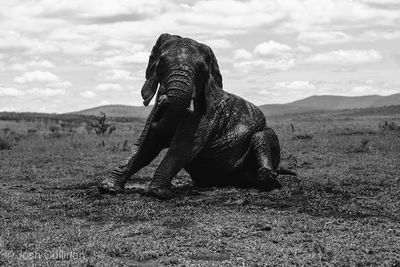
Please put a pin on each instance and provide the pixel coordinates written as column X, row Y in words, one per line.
column 311, row 103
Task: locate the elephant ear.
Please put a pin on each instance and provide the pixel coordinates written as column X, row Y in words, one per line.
column 150, row 86
column 209, row 97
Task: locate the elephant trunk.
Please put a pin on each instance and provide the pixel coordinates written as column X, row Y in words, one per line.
column 179, row 85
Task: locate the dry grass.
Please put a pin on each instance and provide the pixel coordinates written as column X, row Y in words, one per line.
column 343, row 209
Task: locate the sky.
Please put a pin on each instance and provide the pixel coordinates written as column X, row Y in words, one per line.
column 67, row 55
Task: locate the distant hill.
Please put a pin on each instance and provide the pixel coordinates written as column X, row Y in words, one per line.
column 312, row 103
column 117, row 111
column 142, row 112
column 281, row 109
column 390, row 100
column 329, row 102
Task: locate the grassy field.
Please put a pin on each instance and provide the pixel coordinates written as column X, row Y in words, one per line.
column 342, row 209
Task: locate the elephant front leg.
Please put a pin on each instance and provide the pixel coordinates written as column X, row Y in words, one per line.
column 149, row 145
column 178, row 156
column 265, row 145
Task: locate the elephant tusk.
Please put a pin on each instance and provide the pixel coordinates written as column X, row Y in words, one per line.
column 162, row 99
column 191, row 106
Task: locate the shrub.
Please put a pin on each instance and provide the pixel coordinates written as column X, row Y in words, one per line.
column 389, row 126
column 361, row 148
column 6, row 130
column 32, row 131
column 54, row 129
column 101, row 127
column 5, row 143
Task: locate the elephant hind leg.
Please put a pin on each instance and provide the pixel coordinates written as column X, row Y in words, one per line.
column 265, row 145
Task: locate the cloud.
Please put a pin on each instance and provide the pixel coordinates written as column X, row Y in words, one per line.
column 109, row 87
column 88, row 94
column 46, row 91
column 266, row 66
column 321, row 38
column 106, row 36
column 104, row 102
column 16, row 42
column 345, row 57
column 218, row 43
column 36, row 76
column 116, row 75
column 242, row 54
column 232, row 16
column 295, row 85
column 61, row 84
column 272, row 48
column 304, row 49
column 36, row 63
column 137, row 58
column 379, row 35
column 275, row 57
column 7, row 91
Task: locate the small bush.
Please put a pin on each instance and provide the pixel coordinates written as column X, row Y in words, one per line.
column 54, row 129
column 361, row 148
column 6, row 143
column 389, row 126
column 6, row 130
column 32, row 131
column 101, row 127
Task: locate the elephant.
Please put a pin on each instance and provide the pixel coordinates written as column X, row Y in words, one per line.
column 219, row 138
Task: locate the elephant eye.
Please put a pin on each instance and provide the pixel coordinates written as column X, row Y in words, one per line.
column 161, row 67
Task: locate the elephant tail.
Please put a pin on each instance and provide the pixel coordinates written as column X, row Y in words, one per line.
column 285, row 171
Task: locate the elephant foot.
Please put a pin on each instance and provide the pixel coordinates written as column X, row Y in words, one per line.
column 160, row 193
column 111, row 186
column 267, row 180
column 160, row 190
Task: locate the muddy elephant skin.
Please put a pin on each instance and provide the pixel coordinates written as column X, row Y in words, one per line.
column 219, row 138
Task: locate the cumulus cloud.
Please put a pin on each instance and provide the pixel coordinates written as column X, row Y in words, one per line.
column 218, row 43
column 106, row 36
column 296, row 85
column 104, row 102
column 8, row 91
column 46, row 91
column 61, row 84
column 137, row 58
column 345, row 57
column 379, row 35
column 242, row 54
column 320, row 38
column 116, row 75
column 109, row 87
column 259, row 65
column 304, row 48
column 36, row 76
column 272, row 48
column 16, row 42
column 271, row 57
column 88, row 94
column 329, row 37
column 36, row 63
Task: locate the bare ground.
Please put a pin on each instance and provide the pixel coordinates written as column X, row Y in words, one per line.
column 343, row 209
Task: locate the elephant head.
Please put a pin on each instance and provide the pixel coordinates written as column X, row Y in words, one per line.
column 186, row 73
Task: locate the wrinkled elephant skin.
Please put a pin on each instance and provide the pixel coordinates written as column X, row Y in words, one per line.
column 219, row 138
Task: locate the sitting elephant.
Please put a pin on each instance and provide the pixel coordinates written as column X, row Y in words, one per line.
column 219, row 138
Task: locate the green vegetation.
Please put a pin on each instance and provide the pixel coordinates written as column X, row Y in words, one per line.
column 343, row 209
